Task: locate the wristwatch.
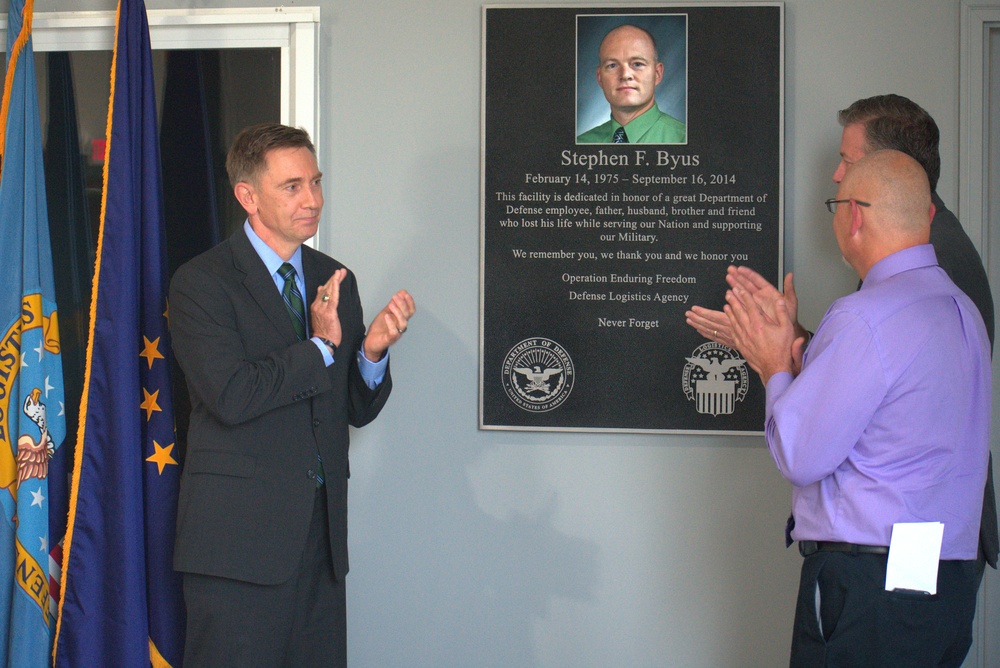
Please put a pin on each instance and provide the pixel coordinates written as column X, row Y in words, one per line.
column 329, row 344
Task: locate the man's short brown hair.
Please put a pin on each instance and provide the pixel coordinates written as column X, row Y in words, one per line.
column 247, row 156
column 895, row 122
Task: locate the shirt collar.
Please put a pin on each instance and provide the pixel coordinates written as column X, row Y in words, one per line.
column 271, row 259
column 638, row 126
column 914, row 257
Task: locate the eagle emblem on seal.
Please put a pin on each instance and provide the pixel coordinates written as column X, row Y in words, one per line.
column 33, row 456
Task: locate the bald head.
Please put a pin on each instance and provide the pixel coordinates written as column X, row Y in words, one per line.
column 897, row 184
column 899, row 216
column 631, row 32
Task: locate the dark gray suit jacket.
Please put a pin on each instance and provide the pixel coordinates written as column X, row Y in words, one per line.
column 262, row 403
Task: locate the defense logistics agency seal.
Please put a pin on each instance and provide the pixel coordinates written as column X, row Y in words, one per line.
column 537, row 375
column 716, row 378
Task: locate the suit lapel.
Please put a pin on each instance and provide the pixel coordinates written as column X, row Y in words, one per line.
column 314, row 276
column 260, row 285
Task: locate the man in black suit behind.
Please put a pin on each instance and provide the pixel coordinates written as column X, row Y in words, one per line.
column 262, row 514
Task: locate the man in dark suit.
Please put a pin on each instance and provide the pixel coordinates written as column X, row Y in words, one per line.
column 262, row 514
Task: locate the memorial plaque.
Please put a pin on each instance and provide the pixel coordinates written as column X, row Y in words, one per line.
column 592, row 250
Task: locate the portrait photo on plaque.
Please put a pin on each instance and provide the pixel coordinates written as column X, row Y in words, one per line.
column 631, row 66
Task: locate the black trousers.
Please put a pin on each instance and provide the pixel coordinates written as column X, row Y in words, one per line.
column 302, row 622
column 856, row 623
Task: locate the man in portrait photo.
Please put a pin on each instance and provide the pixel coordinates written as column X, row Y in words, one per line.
column 636, row 77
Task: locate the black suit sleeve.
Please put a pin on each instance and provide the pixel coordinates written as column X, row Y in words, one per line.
column 958, row 257
column 217, row 353
column 364, row 403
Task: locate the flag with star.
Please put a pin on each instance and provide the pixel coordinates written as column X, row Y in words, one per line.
column 121, row 599
column 32, row 423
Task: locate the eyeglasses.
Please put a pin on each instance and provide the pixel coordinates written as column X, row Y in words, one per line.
column 831, row 204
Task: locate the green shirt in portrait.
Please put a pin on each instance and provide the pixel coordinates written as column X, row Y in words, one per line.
column 652, row 127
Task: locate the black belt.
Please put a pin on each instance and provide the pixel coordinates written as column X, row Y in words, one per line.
column 808, row 547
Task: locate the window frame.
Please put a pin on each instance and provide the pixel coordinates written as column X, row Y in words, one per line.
column 293, row 30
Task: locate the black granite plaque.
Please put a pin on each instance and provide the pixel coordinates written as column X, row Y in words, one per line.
column 592, row 252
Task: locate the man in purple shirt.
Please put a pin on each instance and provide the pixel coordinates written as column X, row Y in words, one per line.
column 884, row 419
column 890, row 121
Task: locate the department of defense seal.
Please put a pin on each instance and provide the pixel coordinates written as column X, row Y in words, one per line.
column 715, row 377
column 537, row 375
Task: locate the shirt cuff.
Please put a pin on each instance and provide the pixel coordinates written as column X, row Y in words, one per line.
column 372, row 372
column 776, row 387
column 327, row 355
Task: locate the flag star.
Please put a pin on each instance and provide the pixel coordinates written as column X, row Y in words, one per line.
column 62, row 408
column 37, row 498
column 24, row 362
column 48, row 387
column 149, row 404
column 40, row 350
column 45, row 543
column 151, row 352
column 162, row 456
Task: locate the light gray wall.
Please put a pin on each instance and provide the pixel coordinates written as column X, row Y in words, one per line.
column 474, row 548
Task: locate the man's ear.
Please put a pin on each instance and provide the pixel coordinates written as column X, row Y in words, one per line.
column 856, row 219
column 659, row 72
column 246, row 196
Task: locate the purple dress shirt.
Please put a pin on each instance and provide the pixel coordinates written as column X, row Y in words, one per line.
column 889, row 420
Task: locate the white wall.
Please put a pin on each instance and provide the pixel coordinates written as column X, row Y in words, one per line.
column 474, row 548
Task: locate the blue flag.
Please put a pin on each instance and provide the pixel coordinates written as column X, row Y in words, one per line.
column 32, row 424
column 121, row 599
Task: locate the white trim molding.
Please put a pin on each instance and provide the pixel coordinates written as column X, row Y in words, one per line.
column 977, row 19
column 294, row 30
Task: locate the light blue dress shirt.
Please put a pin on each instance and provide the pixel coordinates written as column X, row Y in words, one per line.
column 372, row 372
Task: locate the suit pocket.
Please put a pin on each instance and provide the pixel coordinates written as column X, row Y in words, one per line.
column 221, row 463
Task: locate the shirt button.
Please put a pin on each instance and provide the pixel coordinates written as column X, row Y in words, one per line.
column 316, row 422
